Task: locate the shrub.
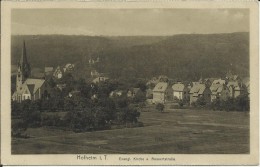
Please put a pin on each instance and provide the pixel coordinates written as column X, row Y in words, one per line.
column 160, row 107
column 18, row 128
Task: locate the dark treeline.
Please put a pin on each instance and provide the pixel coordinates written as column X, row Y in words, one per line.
column 182, row 57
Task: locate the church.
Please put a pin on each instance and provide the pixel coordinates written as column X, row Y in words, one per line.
column 26, row 87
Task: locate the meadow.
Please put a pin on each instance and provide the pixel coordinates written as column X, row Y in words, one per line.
column 175, row 131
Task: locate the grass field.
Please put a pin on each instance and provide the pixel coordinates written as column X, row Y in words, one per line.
column 172, row 132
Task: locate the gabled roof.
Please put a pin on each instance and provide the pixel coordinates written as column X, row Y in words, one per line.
column 219, row 81
column 198, row 89
column 216, row 88
column 34, row 84
column 48, row 69
column 31, row 88
column 246, row 81
column 160, row 87
column 195, row 83
column 58, row 69
column 69, row 65
column 235, row 85
column 178, row 87
column 135, row 90
column 116, row 93
column 100, row 79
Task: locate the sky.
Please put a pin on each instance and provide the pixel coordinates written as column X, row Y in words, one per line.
column 128, row 22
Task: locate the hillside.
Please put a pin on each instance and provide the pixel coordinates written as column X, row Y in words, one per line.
column 184, row 57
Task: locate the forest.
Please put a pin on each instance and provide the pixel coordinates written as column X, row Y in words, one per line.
column 181, row 57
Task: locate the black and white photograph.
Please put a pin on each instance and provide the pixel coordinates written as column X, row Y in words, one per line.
column 89, row 81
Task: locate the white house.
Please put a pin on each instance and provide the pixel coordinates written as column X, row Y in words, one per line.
column 180, row 91
column 200, row 90
column 162, row 92
column 99, row 79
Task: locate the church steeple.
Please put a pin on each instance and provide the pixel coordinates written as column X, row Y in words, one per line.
column 23, row 59
column 24, row 65
column 24, row 69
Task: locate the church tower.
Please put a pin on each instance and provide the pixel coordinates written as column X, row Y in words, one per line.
column 24, row 69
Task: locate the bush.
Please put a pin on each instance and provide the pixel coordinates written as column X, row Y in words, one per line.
column 240, row 103
column 52, row 120
column 160, row 107
column 201, row 101
column 18, row 128
column 181, row 103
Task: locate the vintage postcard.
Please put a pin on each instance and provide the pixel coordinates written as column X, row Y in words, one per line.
column 129, row 83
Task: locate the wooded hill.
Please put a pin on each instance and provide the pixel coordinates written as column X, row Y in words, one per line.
column 182, row 57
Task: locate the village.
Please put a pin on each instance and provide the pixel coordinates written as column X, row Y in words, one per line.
column 100, row 114
column 159, row 89
column 120, row 81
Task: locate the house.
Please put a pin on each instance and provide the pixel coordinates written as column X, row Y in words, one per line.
column 32, row 89
column 74, row 93
column 28, row 88
column 48, row 70
column 246, row 82
column 219, row 91
column 162, row 93
column 149, row 93
column 61, row 86
column 116, row 93
column 208, row 81
column 162, row 78
column 58, row 73
column 94, row 73
column 151, row 83
column 200, row 90
column 37, row 73
column 94, row 97
column 68, row 67
column 235, row 88
column 99, row 79
column 232, row 77
column 92, row 61
column 131, row 93
column 235, row 85
column 219, row 81
column 180, row 91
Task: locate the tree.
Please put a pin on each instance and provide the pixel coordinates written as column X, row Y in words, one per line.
column 51, row 82
column 201, row 101
column 121, row 102
column 15, row 109
column 242, row 103
column 141, row 84
column 160, row 107
column 18, row 128
column 139, row 97
column 181, row 103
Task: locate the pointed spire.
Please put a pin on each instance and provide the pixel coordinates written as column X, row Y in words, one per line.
column 23, row 65
column 23, row 59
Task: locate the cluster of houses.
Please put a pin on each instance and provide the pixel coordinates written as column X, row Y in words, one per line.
column 160, row 90
column 210, row 89
column 33, row 85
